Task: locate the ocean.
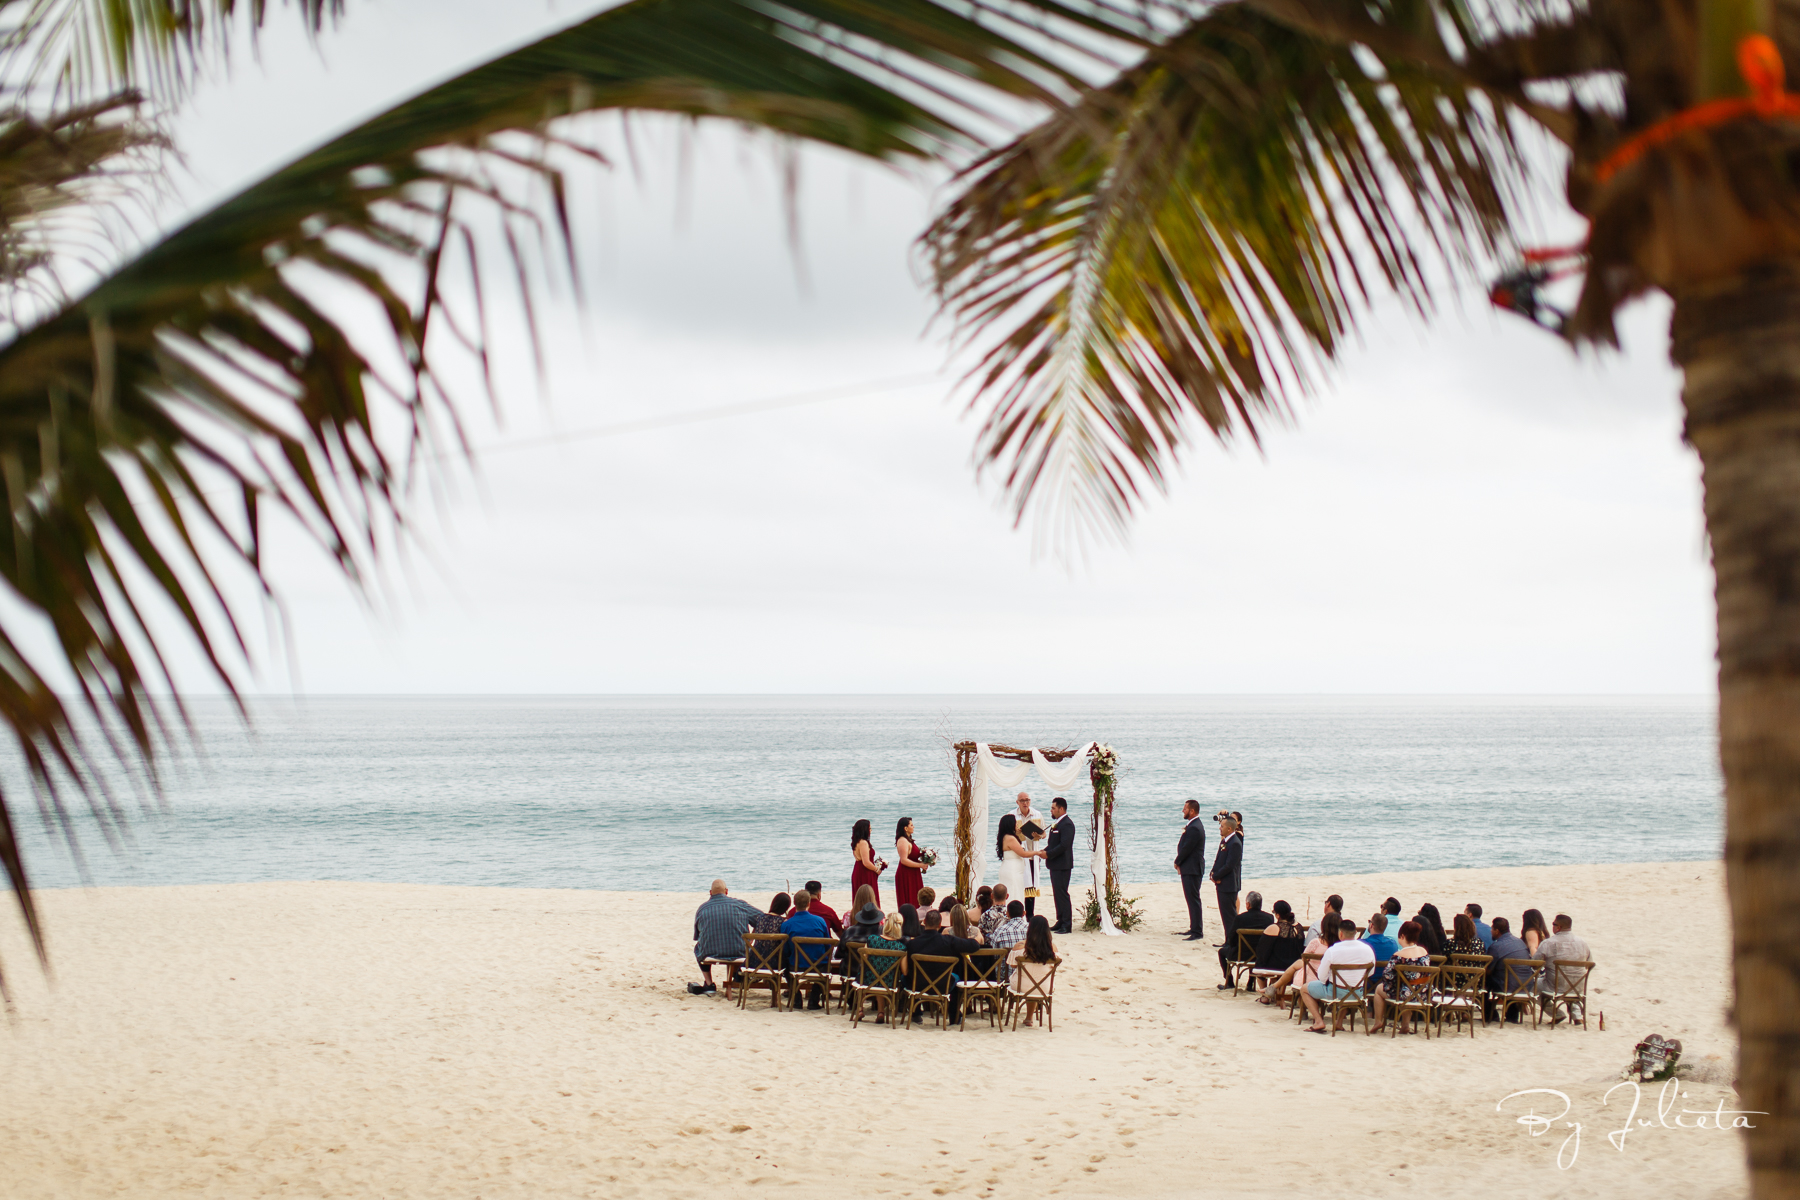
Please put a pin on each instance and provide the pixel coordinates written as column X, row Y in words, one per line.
column 663, row 793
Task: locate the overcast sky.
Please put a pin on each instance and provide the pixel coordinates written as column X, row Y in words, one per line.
column 1464, row 508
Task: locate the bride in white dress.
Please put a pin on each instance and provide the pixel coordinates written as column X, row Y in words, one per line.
column 1013, row 857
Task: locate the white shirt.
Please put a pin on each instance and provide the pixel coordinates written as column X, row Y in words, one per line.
column 1030, row 844
column 1354, row 952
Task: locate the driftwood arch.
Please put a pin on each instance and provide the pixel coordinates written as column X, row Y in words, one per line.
column 1101, row 777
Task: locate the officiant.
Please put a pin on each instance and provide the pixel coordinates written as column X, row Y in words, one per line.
column 1031, row 831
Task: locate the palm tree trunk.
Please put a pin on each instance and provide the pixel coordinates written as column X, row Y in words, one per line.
column 1738, row 343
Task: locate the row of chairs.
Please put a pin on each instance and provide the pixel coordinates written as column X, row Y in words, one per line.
column 865, row 980
column 1441, row 988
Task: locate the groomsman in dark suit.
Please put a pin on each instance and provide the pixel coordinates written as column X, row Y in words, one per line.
column 1190, row 863
column 1059, row 857
column 1227, row 871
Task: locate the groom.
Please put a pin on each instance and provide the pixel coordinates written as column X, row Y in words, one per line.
column 1059, row 857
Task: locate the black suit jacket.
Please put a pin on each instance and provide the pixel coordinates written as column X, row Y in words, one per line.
column 1227, row 863
column 947, row 945
column 1190, row 855
column 1059, row 851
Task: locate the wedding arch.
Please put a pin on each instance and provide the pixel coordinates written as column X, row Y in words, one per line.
column 981, row 764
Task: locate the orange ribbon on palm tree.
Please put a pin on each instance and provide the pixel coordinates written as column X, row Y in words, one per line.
column 1759, row 62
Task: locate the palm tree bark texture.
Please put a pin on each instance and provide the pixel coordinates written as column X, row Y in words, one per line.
column 1738, row 342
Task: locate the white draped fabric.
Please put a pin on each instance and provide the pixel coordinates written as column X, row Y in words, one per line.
column 1059, row 777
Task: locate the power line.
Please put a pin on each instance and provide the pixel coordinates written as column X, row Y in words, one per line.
column 718, row 412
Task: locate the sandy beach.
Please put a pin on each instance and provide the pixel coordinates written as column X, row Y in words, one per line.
column 363, row 1040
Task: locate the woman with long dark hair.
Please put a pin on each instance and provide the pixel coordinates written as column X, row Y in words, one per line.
column 1032, row 961
column 867, row 870
column 1434, row 940
column 1463, row 938
column 909, row 923
column 770, row 922
column 1533, row 930
column 1013, row 854
column 909, row 876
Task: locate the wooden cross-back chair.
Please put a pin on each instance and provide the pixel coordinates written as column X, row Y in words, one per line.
column 1266, row 976
column 1033, row 984
column 1459, row 996
column 1309, row 963
column 1568, row 980
column 1349, row 992
column 1519, row 980
column 879, row 982
column 809, row 966
column 764, row 966
column 852, row 968
column 933, row 978
column 983, row 980
column 1243, row 962
column 1410, row 988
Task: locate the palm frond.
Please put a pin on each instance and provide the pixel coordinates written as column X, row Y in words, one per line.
column 85, row 47
column 213, row 355
column 1194, row 241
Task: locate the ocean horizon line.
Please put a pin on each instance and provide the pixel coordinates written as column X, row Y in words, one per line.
column 1074, row 889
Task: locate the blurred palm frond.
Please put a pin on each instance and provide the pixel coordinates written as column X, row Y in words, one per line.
column 289, row 342
column 1195, row 240
column 83, row 47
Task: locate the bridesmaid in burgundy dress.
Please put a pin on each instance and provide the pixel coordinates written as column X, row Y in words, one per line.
column 909, row 876
column 868, row 868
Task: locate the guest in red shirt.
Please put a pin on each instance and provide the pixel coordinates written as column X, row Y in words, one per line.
column 821, row 909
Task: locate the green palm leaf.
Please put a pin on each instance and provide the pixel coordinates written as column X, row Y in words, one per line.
column 209, row 356
column 1194, row 240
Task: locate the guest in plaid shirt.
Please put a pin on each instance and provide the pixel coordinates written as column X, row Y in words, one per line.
column 1010, row 932
column 995, row 913
column 719, row 928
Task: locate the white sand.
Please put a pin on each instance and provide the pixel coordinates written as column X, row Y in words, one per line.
column 359, row 1040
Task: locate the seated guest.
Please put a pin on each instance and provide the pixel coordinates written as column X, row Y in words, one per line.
column 927, row 899
column 1307, row 972
column 1384, row 946
column 1348, row 953
column 1333, row 904
column 1434, row 940
column 960, row 926
column 945, row 904
column 1482, row 929
column 1532, row 930
column 934, row 941
column 803, row 922
column 1503, row 947
column 823, row 910
column 865, row 919
column 1010, row 932
column 770, row 922
column 909, row 922
column 886, row 972
column 1391, row 909
column 1562, row 945
column 1252, row 918
column 1281, row 943
column 997, row 913
column 1391, row 991
column 984, row 898
column 719, row 928
column 1463, row 939
column 1035, row 952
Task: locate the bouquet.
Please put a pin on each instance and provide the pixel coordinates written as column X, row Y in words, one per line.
column 929, row 857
